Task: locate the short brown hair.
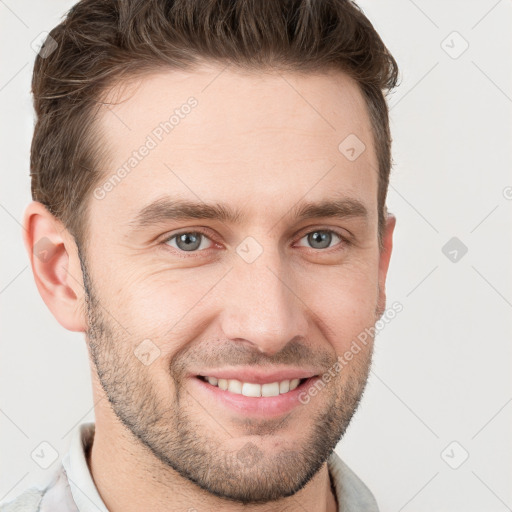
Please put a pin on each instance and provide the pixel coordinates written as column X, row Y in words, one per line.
column 102, row 42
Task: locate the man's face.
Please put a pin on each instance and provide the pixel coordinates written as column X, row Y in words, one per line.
column 263, row 298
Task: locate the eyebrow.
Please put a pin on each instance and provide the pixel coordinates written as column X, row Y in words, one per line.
column 166, row 209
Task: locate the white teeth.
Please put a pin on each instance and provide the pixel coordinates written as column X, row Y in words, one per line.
column 249, row 389
column 235, row 386
column 294, row 383
column 270, row 389
column 254, row 390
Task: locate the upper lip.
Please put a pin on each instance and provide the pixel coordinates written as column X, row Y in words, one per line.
column 253, row 375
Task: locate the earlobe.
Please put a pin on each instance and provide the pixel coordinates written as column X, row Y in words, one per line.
column 384, row 259
column 55, row 265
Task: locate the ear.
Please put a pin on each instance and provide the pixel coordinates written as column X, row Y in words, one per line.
column 55, row 264
column 384, row 258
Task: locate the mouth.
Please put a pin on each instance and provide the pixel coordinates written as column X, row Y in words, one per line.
column 254, row 389
column 269, row 398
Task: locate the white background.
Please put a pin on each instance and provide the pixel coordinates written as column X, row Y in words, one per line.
column 442, row 367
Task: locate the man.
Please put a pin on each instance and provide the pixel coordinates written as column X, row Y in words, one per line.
column 209, row 184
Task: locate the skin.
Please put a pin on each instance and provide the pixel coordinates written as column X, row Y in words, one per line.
column 255, row 143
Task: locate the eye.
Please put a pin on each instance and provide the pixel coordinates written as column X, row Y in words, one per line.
column 196, row 241
column 188, row 241
column 322, row 238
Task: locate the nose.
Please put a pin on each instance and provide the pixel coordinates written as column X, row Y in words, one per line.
column 261, row 306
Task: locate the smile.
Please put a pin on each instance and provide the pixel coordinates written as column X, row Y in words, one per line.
column 252, row 389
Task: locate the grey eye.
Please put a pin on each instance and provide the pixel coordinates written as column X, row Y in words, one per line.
column 320, row 239
column 188, row 241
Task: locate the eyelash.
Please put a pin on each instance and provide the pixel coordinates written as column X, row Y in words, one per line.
column 345, row 242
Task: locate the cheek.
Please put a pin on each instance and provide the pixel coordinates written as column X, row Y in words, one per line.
column 345, row 302
column 162, row 305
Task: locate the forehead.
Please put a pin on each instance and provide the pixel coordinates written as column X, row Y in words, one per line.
column 219, row 134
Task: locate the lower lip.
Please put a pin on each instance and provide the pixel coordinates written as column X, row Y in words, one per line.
column 268, row 406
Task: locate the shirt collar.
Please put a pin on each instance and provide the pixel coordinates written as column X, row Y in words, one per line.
column 81, row 483
column 351, row 492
